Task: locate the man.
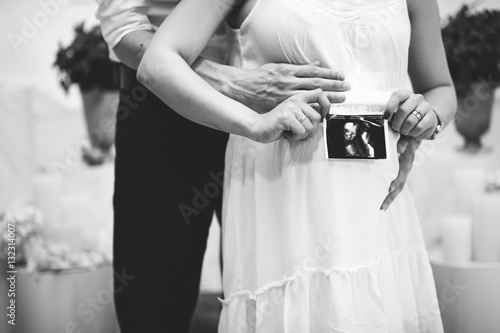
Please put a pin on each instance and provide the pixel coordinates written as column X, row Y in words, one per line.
column 169, row 170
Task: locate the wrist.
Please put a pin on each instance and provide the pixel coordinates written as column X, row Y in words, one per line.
column 439, row 126
column 220, row 77
column 234, row 86
column 250, row 126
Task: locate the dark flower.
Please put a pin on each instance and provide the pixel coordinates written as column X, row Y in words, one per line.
column 86, row 62
column 472, row 44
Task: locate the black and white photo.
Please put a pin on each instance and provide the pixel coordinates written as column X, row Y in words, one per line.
column 356, row 137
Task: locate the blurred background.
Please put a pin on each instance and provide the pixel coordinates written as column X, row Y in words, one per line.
column 56, row 174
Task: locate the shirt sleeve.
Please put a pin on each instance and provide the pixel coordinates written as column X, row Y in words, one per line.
column 120, row 17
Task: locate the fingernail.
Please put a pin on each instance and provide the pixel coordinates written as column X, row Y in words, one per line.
column 392, row 188
column 384, row 207
column 346, row 86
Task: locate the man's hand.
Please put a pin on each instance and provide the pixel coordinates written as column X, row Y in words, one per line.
column 407, row 146
column 266, row 87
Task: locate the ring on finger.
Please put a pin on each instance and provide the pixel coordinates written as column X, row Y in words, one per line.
column 417, row 114
column 302, row 119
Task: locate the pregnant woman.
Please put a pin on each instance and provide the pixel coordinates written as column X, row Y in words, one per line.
column 307, row 246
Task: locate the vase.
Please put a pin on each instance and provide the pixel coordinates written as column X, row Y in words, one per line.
column 474, row 115
column 66, row 301
column 100, row 115
column 468, row 295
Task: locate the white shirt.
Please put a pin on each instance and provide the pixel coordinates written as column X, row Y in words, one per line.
column 120, row 17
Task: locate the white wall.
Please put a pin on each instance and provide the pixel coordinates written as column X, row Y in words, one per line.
column 31, row 61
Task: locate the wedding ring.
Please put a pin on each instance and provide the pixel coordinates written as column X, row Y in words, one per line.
column 302, row 119
column 417, row 114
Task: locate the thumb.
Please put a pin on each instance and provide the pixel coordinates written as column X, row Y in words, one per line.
column 402, row 144
column 316, row 63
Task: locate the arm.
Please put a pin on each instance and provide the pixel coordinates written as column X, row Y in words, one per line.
column 165, row 70
column 261, row 89
column 125, row 23
column 128, row 32
column 434, row 89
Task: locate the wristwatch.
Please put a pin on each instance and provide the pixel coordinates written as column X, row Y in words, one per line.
column 439, row 127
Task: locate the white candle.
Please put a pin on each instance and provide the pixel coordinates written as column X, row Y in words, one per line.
column 47, row 197
column 469, row 183
column 487, row 228
column 456, row 233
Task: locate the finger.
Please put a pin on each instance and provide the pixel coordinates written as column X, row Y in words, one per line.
column 402, row 144
column 297, row 131
column 390, row 197
column 308, row 71
column 301, row 134
column 316, row 96
column 313, row 117
column 412, row 122
column 403, row 112
column 333, row 97
column 426, row 134
column 315, row 106
column 323, row 84
column 395, row 100
column 309, row 127
column 427, row 124
column 405, row 165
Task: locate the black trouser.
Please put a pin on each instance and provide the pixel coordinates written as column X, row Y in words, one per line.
column 168, row 183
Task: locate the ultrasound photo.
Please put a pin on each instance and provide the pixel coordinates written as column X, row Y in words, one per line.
column 355, row 137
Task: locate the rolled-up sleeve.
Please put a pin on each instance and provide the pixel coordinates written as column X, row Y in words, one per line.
column 120, row 17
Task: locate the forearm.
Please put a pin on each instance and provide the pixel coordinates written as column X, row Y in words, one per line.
column 130, row 50
column 443, row 100
column 219, row 76
column 169, row 77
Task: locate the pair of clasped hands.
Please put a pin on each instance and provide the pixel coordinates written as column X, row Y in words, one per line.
column 306, row 93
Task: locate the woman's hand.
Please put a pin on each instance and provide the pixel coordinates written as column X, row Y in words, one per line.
column 407, row 148
column 294, row 118
column 409, row 114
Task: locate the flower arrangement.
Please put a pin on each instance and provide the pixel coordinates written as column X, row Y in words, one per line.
column 37, row 254
column 86, row 62
column 28, row 223
column 472, row 43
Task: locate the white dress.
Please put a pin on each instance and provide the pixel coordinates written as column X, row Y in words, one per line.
column 305, row 246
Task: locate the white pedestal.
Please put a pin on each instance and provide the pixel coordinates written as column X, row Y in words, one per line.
column 468, row 294
column 56, row 302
